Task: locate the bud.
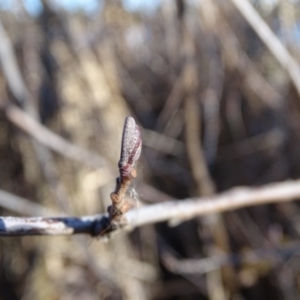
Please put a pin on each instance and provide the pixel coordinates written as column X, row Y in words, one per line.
column 130, row 148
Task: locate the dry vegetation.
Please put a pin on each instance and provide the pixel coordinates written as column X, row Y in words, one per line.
column 217, row 101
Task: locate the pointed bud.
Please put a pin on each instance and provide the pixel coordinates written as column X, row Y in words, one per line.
column 130, row 148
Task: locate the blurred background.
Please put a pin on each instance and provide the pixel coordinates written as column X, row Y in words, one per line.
column 218, row 107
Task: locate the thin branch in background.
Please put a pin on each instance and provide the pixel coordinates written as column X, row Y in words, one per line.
column 270, row 40
column 9, row 63
column 211, row 107
column 35, row 75
column 23, row 206
column 173, row 101
column 51, row 139
column 19, row 89
column 205, row 186
column 271, row 256
column 218, row 284
column 162, row 143
column 261, row 142
column 237, row 58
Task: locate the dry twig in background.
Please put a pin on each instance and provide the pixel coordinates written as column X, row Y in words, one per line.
column 50, row 139
column 270, row 40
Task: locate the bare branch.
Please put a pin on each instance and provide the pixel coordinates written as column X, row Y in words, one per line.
column 10, row 67
column 11, row 226
column 270, row 40
column 26, row 97
column 273, row 256
column 23, row 206
column 50, row 139
column 231, row 200
column 185, row 209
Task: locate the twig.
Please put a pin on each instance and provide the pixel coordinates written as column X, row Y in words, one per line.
column 11, row 226
column 270, row 256
column 260, row 142
column 233, row 199
column 236, row 57
column 130, row 152
column 204, row 183
column 205, row 186
column 270, row 40
column 27, row 121
column 162, row 142
column 24, row 96
column 23, row 206
column 50, row 139
column 10, row 69
column 185, row 209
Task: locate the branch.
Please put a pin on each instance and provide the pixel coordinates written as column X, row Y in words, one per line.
column 48, row 138
column 185, row 209
column 270, row 40
column 23, row 206
column 233, row 199
column 10, row 67
column 272, row 256
column 27, row 99
column 11, row 226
